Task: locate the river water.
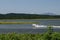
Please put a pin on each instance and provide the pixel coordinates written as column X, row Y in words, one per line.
column 28, row 28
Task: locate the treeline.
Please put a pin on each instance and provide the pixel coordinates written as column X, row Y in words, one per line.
column 27, row 16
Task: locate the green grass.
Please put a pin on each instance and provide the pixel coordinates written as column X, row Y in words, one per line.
column 38, row 36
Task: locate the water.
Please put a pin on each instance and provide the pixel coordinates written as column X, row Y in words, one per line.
column 41, row 21
column 27, row 28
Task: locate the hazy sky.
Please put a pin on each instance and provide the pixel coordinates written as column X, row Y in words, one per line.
column 30, row 6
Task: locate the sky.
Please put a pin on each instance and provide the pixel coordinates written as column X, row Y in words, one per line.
column 30, row 6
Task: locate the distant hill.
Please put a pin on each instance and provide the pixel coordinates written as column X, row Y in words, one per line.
column 48, row 14
column 28, row 16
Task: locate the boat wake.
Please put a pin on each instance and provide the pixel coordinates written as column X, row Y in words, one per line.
column 44, row 26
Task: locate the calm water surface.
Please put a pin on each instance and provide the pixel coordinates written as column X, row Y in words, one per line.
column 27, row 28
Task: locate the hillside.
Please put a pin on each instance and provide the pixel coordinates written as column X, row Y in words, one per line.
column 27, row 16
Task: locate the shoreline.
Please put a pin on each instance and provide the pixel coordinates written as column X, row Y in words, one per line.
column 18, row 22
column 29, row 19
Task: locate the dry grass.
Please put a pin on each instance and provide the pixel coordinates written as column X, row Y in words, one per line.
column 18, row 22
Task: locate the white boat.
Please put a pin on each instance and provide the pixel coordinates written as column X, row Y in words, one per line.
column 43, row 26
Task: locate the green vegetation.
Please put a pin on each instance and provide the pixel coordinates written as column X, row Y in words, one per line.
column 18, row 22
column 15, row 36
column 49, row 35
column 27, row 16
